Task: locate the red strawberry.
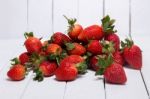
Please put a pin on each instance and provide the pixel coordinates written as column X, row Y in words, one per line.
column 53, row 49
column 60, row 38
column 93, row 32
column 17, row 72
column 94, row 47
column 94, row 63
column 24, row 57
column 108, row 29
column 113, row 72
column 75, row 49
column 48, row 68
column 74, row 29
column 75, row 59
column 32, row 44
column 117, row 57
column 115, row 39
column 78, row 61
column 132, row 54
column 66, row 72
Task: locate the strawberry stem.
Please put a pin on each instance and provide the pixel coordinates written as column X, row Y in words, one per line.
column 108, row 25
column 15, row 61
column 71, row 23
column 26, row 34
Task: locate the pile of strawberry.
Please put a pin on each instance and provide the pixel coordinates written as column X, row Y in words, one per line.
column 94, row 47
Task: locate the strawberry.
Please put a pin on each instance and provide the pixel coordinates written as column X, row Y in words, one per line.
column 48, row 68
column 93, row 32
column 118, row 58
column 60, row 38
column 75, row 59
column 54, row 49
column 109, row 32
column 94, row 47
column 24, row 57
column 78, row 61
column 94, row 63
column 132, row 54
column 113, row 72
column 32, row 44
column 75, row 49
column 17, row 72
column 115, row 39
column 74, row 29
column 66, row 72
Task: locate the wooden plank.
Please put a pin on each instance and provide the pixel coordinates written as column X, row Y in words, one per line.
column 11, row 89
column 140, row 17
column 63, row 7
column 40, row 17
column 140, row 27
column 88, row 86
column 90, row 12
column 49, row 88
column 13, row 18
column 119, row 10
column 133, row 89
column 145, row 52
column 8, row 50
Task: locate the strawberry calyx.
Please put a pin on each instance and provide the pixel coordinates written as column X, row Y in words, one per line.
column 27, row 35
column 128, row 43
column 104, row 61
column 82, row 67
column 70, row 46
column 15, row 61
column 108, row 47
column 71, row 23
column 38, row 75
column 108, row 25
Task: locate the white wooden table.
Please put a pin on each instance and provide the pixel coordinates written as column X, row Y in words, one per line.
column 45, row 17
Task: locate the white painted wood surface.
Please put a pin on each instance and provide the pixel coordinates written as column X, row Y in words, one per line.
column 119, row 10
column 86, row 86
column 44, row 18
column 12, row 18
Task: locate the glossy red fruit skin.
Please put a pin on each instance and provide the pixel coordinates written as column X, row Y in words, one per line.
column 33, row 45
column 60, row 38
column 115, row 74
column 72, row 59
column 66, row 73
column 16, row 73
column 133, row 56
column 93, row 32
column 94, row 63
column 115, row 39
column 48, row 68
column 77, row 29
column 118, row 58
column 23, row 58
column 78, row 50
column 94, row 47
column 53, row 49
